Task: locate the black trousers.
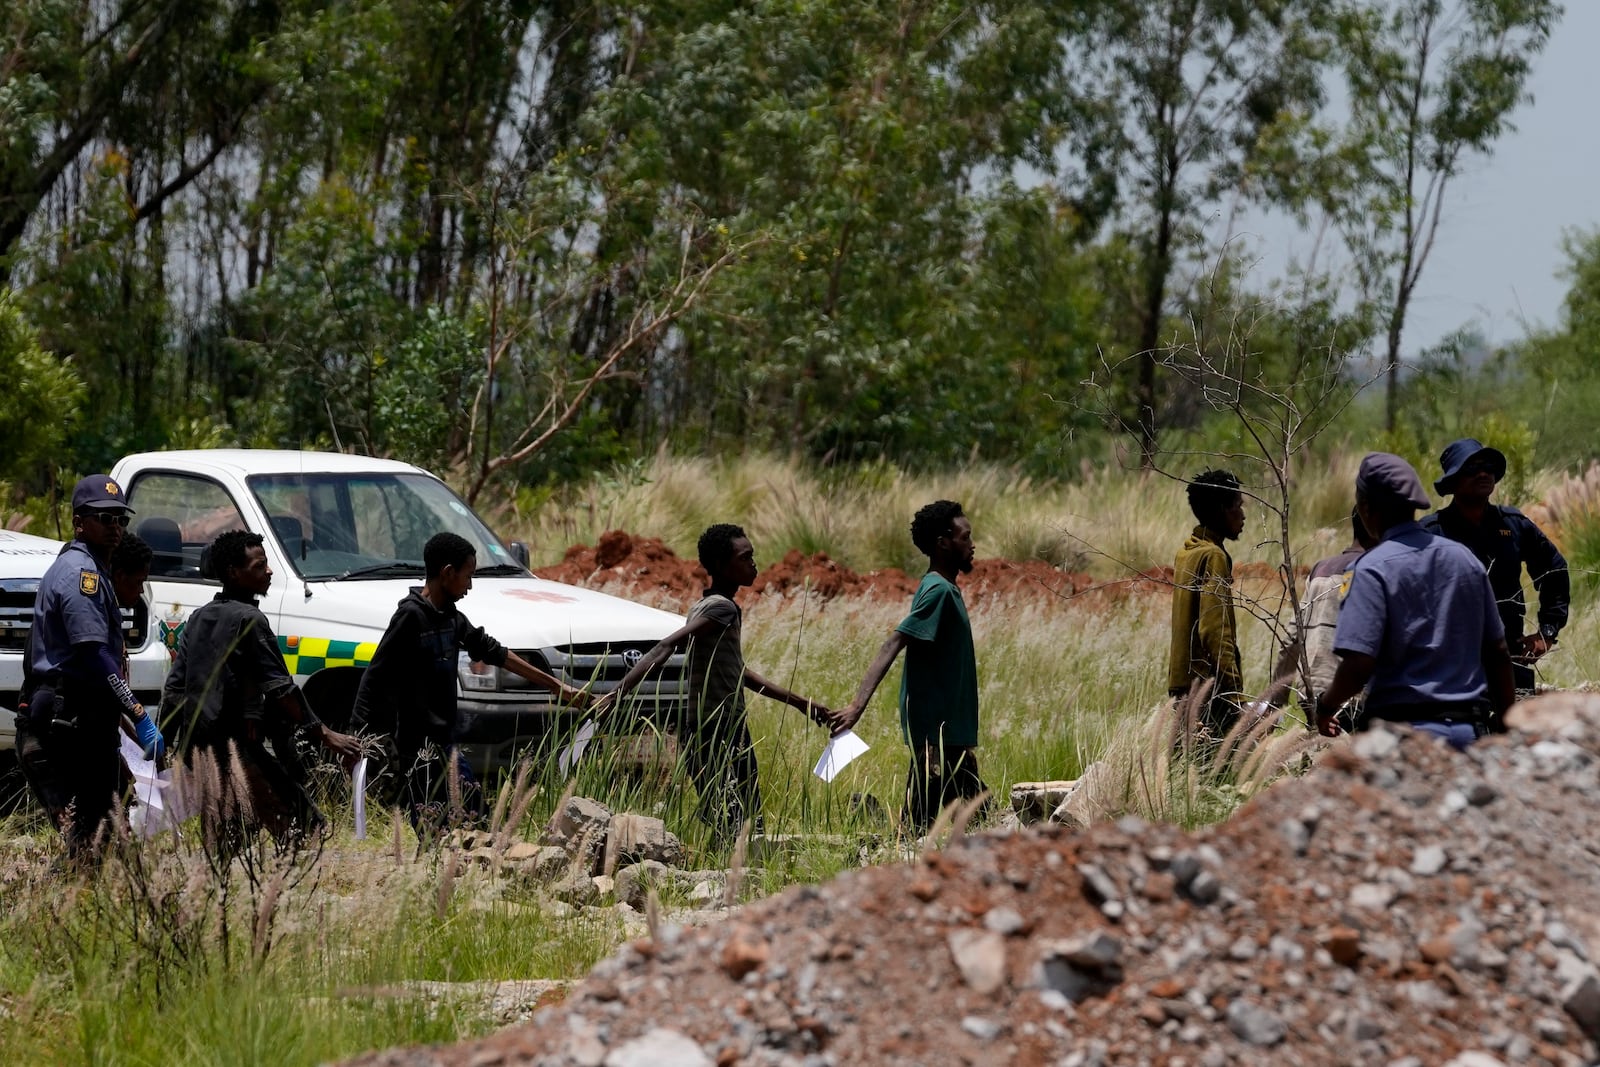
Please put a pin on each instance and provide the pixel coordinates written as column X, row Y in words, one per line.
column 77, row 776
column 421, row 788
column 1522, row 677
column 261, row 787
column 721, row 759
column 940, row 775
column 1216, row 717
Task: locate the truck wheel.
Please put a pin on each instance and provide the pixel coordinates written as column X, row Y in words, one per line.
column 332, row 695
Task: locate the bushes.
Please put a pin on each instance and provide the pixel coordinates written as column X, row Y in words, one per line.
column 1574, row 506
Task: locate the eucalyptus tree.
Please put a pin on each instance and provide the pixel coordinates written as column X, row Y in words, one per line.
column 1185, row 102
column 1432, row 86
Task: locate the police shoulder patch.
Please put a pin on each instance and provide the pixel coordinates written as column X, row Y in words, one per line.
column 88, row 582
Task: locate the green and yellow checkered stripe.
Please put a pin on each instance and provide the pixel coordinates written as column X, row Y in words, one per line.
column 305, row 656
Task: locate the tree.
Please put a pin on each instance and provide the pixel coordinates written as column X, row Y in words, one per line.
column 1274, row 371
column 857, row 139
column 1432, row 85
column 122, row 71
column 40, row 405
column 1560, row 364
column 1187, row 96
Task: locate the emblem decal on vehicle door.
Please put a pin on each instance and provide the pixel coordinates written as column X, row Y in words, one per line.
column 171, row 629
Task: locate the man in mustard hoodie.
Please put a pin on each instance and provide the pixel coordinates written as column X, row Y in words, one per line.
column 1205, row 635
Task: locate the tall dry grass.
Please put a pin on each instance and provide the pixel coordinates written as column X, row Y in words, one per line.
column 1104, row 520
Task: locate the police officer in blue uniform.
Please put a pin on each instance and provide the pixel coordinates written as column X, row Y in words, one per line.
column 1504, row 540
column 75, row 694
column 1419, row 628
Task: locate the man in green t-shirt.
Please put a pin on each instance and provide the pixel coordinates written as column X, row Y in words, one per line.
column 939, row 689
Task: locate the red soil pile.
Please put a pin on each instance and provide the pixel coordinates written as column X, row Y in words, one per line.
column 644, row 567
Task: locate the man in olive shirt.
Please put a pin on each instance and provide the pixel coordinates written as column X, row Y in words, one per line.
column 1205, row 635
column 713, row 730
column 939, row 689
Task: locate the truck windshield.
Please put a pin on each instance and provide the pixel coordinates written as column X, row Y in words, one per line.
column 367, row 526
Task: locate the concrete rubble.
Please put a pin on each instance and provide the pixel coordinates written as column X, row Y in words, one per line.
column 1400, row 905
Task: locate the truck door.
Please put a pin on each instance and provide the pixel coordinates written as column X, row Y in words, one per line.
column 179, row 514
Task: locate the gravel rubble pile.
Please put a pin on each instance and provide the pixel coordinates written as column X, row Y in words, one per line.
column 1402, row 904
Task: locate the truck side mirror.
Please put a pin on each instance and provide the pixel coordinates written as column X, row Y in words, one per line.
column 519, row 552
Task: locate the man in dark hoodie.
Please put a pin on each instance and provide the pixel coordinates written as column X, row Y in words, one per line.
column 230, row 695
column 409, row 690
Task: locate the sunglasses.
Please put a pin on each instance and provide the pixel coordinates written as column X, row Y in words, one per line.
column 111, row 519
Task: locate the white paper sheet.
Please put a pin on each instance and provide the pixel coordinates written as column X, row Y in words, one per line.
column 159, row 807
column 841, row 751
column 567, row 761
column 358, row 793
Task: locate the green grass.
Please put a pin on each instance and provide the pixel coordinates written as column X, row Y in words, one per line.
column 1062, row 684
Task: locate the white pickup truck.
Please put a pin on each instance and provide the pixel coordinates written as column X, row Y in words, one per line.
column 23, row 560
column 344, row 537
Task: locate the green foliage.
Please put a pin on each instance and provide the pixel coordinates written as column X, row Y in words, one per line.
column 423, row 396
column 1432, row 85
column 1561, row 385
column 844, row 231
column 40, row 405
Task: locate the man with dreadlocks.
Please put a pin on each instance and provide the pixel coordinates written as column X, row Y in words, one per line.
column 230, row 695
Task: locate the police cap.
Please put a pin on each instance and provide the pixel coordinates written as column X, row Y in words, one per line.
column 1385, row 474
column 98, row 492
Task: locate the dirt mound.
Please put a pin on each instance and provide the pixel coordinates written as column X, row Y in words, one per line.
column 632, row 566
column 645, row 567
column 1400, row 901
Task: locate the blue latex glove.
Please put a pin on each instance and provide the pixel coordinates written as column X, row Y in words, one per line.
column 149, row 737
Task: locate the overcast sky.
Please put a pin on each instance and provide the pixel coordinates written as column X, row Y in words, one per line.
column 1499, row 245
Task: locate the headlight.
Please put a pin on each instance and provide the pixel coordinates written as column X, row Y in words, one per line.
column 477, row 677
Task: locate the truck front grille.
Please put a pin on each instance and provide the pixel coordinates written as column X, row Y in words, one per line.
column 16, row 616
column 16, row 611
column 599, row 666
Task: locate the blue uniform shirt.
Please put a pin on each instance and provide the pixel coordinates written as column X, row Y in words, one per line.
column 75, row 605
column 1420, row 604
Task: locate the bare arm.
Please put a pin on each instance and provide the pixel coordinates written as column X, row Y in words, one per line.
column 846, row 717
column 1355, row 670
column 523, row 669
column 292, row 702
column 762, row 687
column 1502, row 685
column 652, row 660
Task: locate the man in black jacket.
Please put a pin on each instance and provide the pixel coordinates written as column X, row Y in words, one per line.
column 230, row 695
column 409, row 690
column 1504, row 540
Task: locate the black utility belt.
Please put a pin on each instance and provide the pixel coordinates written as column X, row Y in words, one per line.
column 1464, row 711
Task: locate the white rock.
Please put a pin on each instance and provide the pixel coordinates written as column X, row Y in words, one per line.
column 1255, row 1025
column 659, row 1048
column 1428, row 860
column 980, row 956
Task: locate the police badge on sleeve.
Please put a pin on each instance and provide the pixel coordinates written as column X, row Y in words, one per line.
column 88, row 582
